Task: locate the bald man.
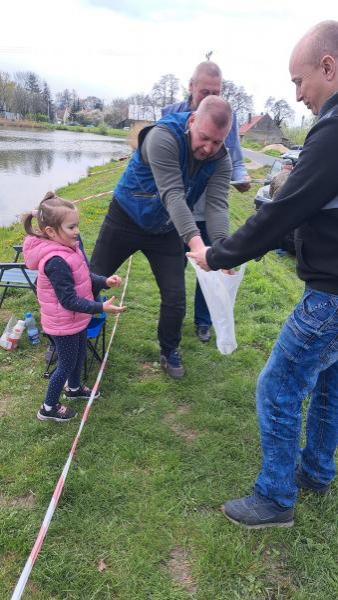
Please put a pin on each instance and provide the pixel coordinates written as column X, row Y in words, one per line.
column 304, row 361
column 176, row 161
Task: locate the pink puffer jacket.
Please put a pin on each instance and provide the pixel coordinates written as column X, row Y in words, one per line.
column 55, row 319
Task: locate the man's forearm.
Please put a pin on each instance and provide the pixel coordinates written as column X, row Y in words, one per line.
column 181, row 215
column 196, row 243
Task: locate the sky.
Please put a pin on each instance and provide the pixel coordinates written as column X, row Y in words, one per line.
column 115, row 48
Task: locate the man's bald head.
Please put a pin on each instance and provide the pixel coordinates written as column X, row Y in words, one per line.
column 219, row 111
column 320, row 40
column 313, row 65
column 209, row 126
column 208, row 68
column 205, row 81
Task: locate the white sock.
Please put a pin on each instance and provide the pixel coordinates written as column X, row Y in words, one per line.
column 47, row 407
column 74, row 389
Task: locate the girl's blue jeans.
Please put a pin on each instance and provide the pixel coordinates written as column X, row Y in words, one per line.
column 303, row 362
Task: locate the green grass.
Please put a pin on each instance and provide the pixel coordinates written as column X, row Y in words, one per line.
column 102, row 128
column 272, row 152
column 139, row 515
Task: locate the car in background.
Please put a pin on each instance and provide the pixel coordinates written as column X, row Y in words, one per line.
column 287, row 160
column 292, row 154
column 263, row 194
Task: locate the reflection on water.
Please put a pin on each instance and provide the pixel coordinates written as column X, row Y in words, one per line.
column 29, row 163
column 33, row 162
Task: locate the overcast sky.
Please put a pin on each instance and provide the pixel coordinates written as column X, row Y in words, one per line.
column 111, row 48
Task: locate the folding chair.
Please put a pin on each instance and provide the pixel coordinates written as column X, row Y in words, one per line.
column 96, row 342
column 96, row 346
column 16, row 275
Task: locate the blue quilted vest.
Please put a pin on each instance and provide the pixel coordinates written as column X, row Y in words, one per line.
column 136, row 191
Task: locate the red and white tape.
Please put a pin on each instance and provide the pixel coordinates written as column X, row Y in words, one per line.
column 20, row 587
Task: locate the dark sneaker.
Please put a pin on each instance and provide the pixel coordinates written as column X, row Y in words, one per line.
column 82, row 393
column 59, row 413
column 172, row 365
column 257, row 512
column 203, row 333
column 305, row 482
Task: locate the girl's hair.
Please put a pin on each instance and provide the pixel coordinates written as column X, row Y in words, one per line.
column 50, row 213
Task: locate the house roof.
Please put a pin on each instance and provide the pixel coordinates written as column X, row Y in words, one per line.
column 246, row 126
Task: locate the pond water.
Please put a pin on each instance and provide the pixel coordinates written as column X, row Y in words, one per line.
column 32, row 162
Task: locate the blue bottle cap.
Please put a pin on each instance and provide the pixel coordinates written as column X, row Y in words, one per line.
column 28, row 314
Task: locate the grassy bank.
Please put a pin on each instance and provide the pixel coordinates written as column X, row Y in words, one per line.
column 102, row 129
column 139, row 516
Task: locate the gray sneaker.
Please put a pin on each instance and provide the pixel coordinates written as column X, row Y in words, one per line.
column 172, row 365
column 257, row 512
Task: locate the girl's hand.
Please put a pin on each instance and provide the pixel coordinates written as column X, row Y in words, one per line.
column 113, row 281
column 109, row 307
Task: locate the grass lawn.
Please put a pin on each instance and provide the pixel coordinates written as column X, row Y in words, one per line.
column 139, row 516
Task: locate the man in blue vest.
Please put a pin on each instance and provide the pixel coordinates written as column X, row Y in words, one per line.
column 176, row 160
column 206, row 81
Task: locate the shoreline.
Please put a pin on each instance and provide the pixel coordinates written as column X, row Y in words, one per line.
column 25, row 124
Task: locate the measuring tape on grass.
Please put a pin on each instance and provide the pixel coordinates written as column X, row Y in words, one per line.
column 20, row 587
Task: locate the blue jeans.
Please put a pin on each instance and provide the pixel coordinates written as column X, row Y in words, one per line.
column 202, row 315
column 304, row 361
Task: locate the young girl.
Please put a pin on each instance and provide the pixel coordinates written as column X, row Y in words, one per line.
column 66, row 291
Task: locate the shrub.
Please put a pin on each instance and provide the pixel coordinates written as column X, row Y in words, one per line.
column 102, row 128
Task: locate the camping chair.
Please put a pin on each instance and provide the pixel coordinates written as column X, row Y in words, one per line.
column 16, row 275
column 96, row 346
column 96, row 342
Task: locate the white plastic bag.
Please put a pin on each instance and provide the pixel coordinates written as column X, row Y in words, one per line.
column 219, row 291
column 5, row 341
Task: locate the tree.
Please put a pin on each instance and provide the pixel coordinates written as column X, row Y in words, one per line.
column 72, row 112
column 240, row 101
column 21, row 96
column 32, row 83
column 145, row 107
column 63, row 99
column 280, row 111
column 164, row 91
column 116, row 112
column 6, row 91
column 48, row 102
column 92, row 103
column 33, row 86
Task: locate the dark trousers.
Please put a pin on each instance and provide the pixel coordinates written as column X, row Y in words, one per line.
column 202, row 315
column 118, row 239
column 71, row 352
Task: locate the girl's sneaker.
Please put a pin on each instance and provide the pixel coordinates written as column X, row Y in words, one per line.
column 59, row 413
column 82, row 393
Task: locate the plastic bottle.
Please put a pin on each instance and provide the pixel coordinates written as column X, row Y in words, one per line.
column 32, row 330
